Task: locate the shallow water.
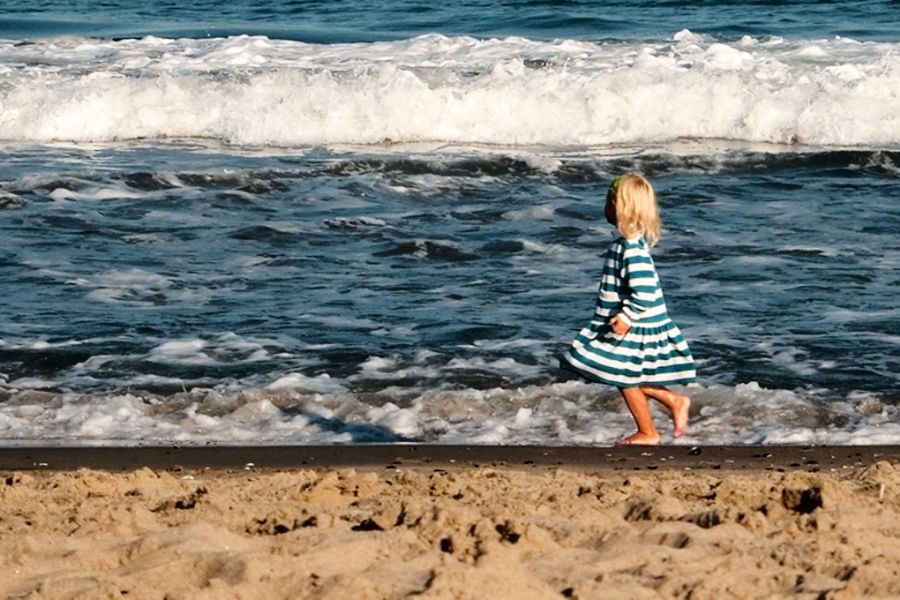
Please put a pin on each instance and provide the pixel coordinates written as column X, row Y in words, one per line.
column 391, row 234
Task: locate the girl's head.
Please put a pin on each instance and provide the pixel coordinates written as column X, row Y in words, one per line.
column 631, row 208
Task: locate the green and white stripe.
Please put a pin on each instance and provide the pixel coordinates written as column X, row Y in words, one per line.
column 653, row 351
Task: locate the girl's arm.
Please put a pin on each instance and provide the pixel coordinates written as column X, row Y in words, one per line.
column 608, row 299
column 642, row 293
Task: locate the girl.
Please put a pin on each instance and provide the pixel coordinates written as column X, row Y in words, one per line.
column 631, row 342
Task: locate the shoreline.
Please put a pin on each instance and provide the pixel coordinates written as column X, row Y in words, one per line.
column 410, row 456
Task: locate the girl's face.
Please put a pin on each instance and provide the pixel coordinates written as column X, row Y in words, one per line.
column 609, row 211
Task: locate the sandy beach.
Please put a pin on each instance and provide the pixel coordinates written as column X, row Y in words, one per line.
column 435, row 522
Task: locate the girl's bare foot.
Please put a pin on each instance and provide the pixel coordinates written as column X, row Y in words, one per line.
column 639, row 439
column 678, row 405
column 680, row 410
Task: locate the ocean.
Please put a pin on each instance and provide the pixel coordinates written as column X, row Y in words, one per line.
column 357, row 222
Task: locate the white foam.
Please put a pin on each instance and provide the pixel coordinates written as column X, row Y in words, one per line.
column 386, row 368
column 542, row 211
column 144, row 238
column 251, row 90
column 539, row 248
column 522, row 418
column 298, row 408
column 32, row 383
column 188, row 352
column 506, row 366
column 401, row 421
column 44, row 345
column 250, row 262
column 297, row 381
column 132, row 286
column 347, row 322
column 95, row 193
column 352, row 223
column 133, row 278
column 425, row 185
column 820, row 250
column 543, row 163
column 183, row 218
column 378, row 363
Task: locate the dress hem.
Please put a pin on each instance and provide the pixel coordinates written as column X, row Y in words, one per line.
column 568, row 366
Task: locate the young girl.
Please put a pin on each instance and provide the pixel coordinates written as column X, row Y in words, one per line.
column 631, row 342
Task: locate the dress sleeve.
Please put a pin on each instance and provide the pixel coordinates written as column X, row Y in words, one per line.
column 640, row 291
column 608, row 298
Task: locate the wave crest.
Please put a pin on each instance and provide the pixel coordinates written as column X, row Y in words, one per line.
column 514, row 91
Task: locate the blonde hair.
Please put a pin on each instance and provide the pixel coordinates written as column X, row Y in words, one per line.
column 635, row 207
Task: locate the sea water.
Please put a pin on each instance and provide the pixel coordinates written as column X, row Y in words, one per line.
column 318, row 222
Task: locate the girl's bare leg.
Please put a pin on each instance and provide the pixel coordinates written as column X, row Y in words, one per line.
column 637, row 404
column 677, row 404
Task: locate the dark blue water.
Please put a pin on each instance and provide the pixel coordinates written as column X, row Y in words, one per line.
column 366, row 21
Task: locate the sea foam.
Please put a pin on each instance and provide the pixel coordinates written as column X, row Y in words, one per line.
column 513, row 91
column 321, row 410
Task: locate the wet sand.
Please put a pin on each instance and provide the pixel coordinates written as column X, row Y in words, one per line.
column 426, row 455
column 450, row 522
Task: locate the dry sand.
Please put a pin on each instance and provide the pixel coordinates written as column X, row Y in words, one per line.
column 451, row 532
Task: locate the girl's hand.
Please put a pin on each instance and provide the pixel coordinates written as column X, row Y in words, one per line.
column 619, row 326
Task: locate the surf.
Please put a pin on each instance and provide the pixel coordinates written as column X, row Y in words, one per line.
column 256, row 91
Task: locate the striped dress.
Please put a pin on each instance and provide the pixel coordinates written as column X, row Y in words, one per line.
column 653, row 351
